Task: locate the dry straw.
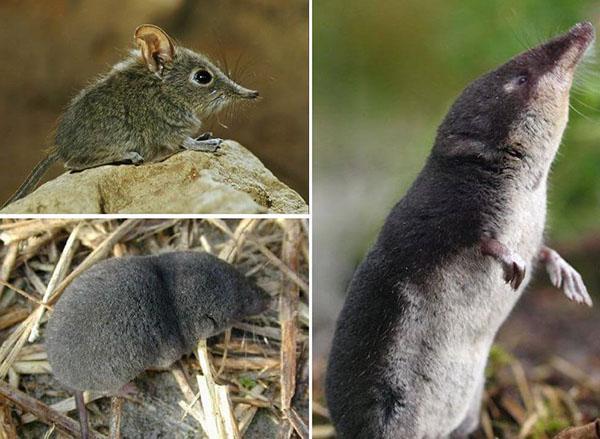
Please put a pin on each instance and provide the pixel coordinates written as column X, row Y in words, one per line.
column 534, row 405
column 41, row 257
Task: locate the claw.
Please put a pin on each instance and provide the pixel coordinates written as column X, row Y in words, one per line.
column 513, row 265
column 514, row 272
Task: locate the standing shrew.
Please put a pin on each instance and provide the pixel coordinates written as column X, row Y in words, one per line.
column 146, row 108
column 454, row 256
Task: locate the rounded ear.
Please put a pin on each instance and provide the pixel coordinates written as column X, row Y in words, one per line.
column 156, row 46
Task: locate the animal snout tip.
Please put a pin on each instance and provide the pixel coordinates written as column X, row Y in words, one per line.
column 586, row 26
column 584, row 30
column 244, row 93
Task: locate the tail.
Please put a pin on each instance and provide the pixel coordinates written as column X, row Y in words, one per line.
column 33, row 179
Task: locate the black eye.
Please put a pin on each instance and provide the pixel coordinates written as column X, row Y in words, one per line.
column 203, row 77
column 522, row 79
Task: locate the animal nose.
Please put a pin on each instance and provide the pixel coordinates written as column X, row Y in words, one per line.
column 583, row 34
column 584, row 29
column 246, row 93
column 567, row 50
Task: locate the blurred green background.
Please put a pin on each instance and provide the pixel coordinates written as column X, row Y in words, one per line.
column 385, row 74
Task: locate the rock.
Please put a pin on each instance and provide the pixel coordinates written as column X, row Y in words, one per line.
column 230, row 181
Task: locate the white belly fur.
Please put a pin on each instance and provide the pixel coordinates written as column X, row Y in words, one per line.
column 467, row 301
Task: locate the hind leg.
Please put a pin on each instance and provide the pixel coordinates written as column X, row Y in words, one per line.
column 129, row 157
column 471, row 420
column 83, row 417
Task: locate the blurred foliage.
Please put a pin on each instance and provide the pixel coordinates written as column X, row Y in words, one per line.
column 385, row 73
column 391, row 69
column 499, row 358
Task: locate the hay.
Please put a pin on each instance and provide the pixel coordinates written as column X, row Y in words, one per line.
column 533, row 405
column 259, row 365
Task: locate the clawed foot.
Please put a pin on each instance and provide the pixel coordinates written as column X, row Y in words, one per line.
column 513, row 265
column 514, row 270
column 564, row 276
column 202, row 144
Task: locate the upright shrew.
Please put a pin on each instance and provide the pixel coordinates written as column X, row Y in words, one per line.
column 454, row 256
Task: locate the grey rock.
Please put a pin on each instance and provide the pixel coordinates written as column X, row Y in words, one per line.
column 232, row 180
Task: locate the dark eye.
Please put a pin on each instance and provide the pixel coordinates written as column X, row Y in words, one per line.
column 522, row 79
column 203, row 77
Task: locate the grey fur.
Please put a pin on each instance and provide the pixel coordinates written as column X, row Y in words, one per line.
column 125, row 315
column 424, row 306
column 133, row 110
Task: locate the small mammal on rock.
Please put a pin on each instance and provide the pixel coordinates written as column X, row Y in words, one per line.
column 126, row 315
column 454, row 255
column 146, row 108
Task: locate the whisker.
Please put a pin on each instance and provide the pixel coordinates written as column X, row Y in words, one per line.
column 221, row 123
column 223, row 58
column 581, row 102
column 517, row 36
column 586, row 117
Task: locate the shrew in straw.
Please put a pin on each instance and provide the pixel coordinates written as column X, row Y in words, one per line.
column 454, row 256
column 126, row 315
column 148, row 107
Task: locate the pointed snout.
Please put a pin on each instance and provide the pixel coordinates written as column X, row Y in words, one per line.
column 584, row 32
column 247, row 93
column 572, row 45
column 563, row 53
column 252, row 94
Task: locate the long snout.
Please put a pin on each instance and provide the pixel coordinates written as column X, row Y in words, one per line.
column 583, row 33
column 569, row 48
column 246, row 93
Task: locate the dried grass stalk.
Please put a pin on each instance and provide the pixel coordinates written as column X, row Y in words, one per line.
column 8, row 264
column 57, row 275
column 42, row 411
column 65, row 406
column 44, row 256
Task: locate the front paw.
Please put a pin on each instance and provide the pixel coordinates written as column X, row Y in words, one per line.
column 512, row 264
column 214, row 142
column 208, row 145
column 514, row 268
column 564, row 276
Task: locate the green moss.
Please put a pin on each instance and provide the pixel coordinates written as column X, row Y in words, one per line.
column 548, row 427
column 247, row 382
column 498, row 359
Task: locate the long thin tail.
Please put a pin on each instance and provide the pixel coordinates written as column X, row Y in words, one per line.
column 32, row 179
